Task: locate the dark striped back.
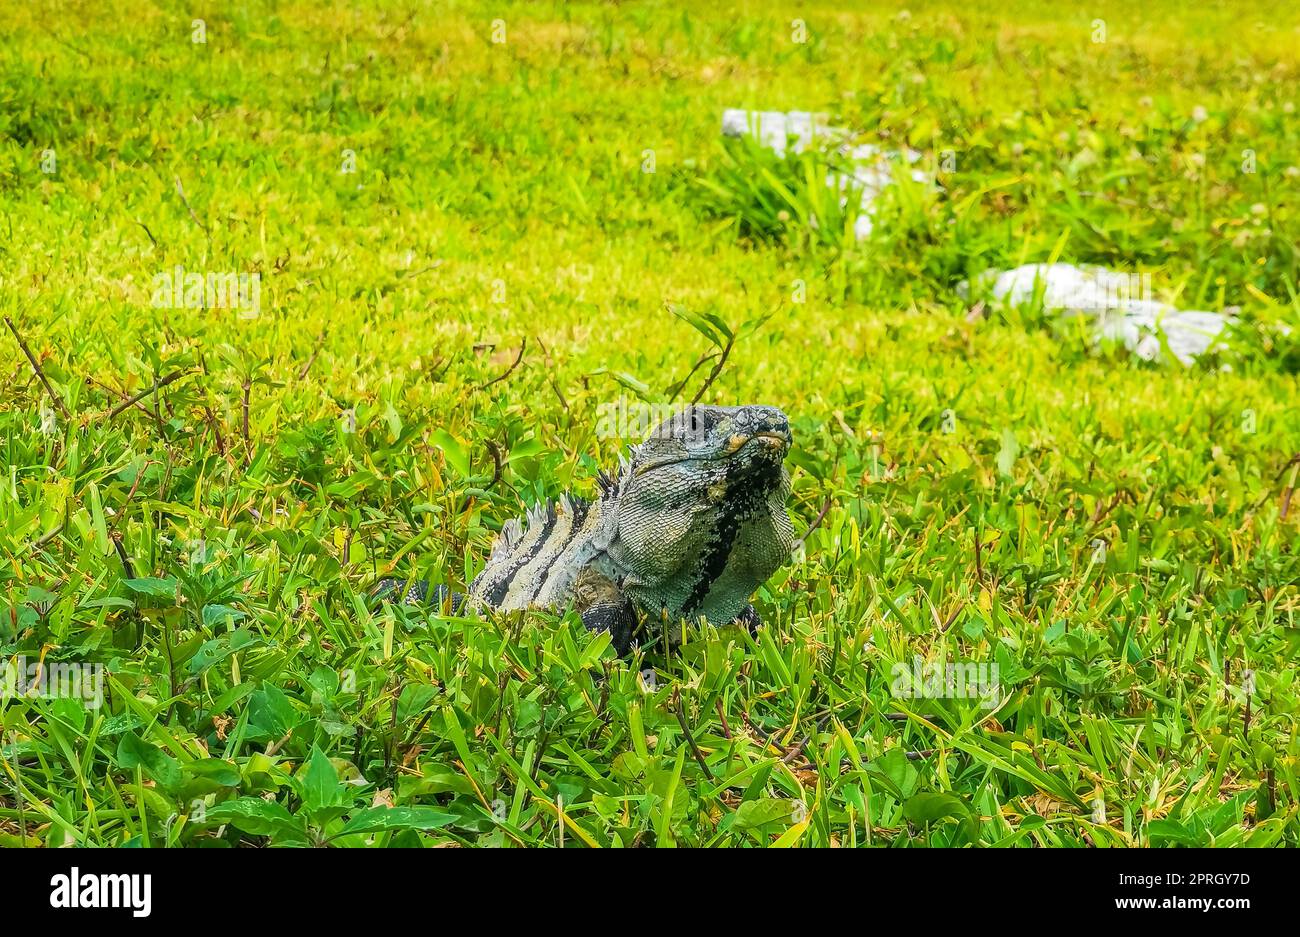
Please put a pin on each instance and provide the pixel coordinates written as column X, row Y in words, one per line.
column 523, row 555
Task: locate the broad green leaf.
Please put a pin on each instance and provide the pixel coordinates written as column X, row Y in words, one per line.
column 258, row 817
column 133, row 751
column 319, row 785
column 377, row 819
column 152, row 586
column 455, row 451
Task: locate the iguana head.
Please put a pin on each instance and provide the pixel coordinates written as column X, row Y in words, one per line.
column 750, row 439
column 701, row 511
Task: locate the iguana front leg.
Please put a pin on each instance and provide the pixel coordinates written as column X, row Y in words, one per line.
column 618, row 618
column 749, row 618
column 605, row 607
column 622, row 621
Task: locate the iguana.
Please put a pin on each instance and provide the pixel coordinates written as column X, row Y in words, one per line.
column 691, row 523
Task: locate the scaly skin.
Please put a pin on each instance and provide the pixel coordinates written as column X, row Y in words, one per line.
column 693, row 522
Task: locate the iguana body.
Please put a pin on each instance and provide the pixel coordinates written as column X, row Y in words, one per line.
column 692, row 523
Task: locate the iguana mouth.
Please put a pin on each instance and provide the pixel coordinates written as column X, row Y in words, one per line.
column 773, row 441
column 770, row 439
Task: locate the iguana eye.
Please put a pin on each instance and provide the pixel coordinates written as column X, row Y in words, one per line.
column 686, row 426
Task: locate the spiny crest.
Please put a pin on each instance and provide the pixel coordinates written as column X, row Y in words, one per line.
column 607, row 484
column 610, row 484
column 543, row 514
column 513, row 530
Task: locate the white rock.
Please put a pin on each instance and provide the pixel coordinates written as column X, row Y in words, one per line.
column 871, row 169
column 1119, row 305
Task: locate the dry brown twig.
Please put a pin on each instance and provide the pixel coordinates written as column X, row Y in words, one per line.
column 510, row 370
column 152, row 389
column 49, row 388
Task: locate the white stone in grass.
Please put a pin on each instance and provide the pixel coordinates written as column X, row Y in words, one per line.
column 1118, row 306
column 775, row 129
column 871, row 169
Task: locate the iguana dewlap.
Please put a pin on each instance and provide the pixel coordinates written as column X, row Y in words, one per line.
column 692, row 523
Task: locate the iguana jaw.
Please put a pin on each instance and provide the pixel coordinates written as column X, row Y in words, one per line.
column 769, row 439
column 775, row 442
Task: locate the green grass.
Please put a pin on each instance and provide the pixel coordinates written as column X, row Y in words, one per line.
column 1118, row 538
